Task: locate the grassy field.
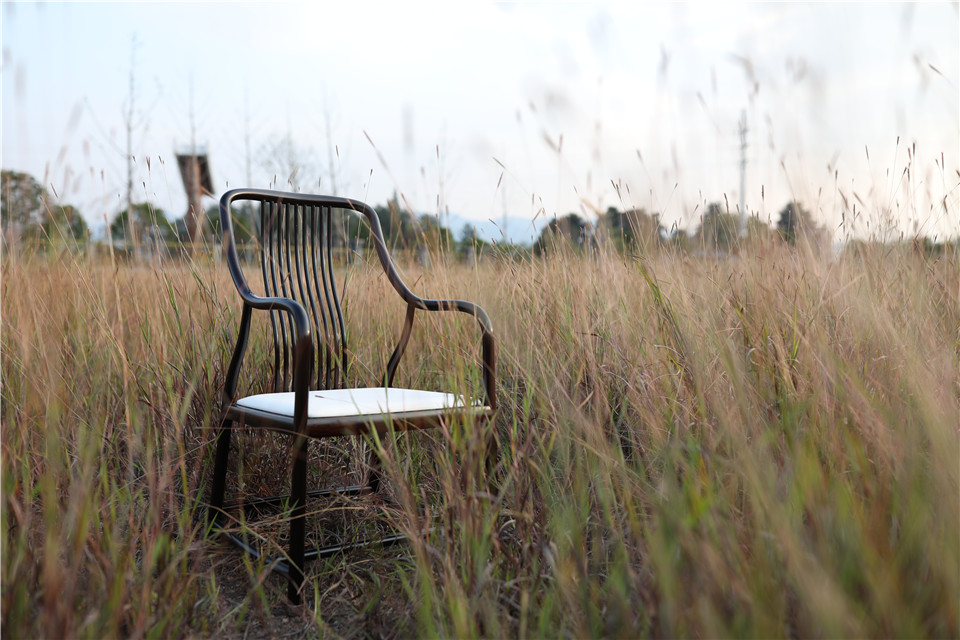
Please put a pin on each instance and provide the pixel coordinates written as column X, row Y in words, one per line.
column 759, row 446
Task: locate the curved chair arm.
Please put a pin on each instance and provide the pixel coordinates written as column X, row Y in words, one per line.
column 487, row 344
column 302, row 350
column 303, row 345
column 488, row 353
column 488, row 347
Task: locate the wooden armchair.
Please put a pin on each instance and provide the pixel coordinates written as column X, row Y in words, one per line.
column 310, row 397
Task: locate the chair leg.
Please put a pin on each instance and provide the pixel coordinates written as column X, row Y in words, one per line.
column 374, row 470
column 298, row 501
column 219, row 482
column 491, row 459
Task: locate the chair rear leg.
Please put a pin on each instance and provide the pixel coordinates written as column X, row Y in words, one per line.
column 298, row 501
column 219, row 481
column 374, row 470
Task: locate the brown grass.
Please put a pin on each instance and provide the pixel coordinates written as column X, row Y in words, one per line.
column 765, row 445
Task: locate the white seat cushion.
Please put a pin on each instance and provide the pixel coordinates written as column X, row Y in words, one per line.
column 339, row 403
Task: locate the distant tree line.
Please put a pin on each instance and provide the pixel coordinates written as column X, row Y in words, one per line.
column 628, row 231
column 32, row 215
column 638, row 231
column 29, row 212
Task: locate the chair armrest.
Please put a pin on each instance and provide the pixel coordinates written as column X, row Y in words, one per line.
column 302, row 350
column 488, row 346
column 301, row 322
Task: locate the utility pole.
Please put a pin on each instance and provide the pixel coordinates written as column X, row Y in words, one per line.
column 247, row 206
column 131, row 221
column 743, row 172
column 246, row 134
column 330, row 165
column 506, row 235
column 194, row 228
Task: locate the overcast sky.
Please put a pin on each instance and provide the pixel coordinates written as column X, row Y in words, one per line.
column 481, row 108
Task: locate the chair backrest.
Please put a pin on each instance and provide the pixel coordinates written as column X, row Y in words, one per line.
column 296, row 236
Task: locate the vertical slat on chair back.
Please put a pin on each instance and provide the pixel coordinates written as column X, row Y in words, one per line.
column 296, row 261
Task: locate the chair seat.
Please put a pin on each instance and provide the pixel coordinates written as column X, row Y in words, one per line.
column 353, row 411
column 357, row 403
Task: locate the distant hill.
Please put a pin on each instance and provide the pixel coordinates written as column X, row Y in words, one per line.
column 517, row 230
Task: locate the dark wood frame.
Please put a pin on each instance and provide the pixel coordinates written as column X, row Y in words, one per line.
column 305, row 267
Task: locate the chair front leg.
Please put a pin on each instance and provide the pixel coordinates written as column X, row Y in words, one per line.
column 492, row 456
column 298, row 502
column 219, row 482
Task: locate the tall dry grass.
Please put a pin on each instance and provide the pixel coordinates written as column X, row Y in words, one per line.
column 765, row 445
